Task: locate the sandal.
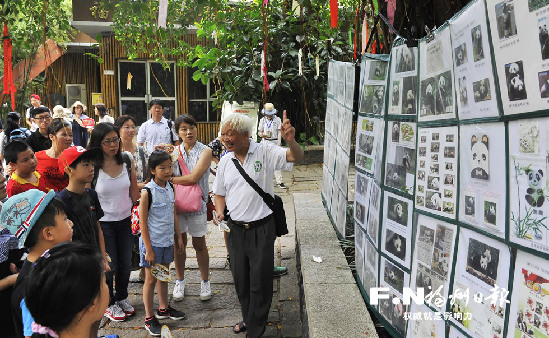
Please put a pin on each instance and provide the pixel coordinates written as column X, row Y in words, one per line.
column 242, row 327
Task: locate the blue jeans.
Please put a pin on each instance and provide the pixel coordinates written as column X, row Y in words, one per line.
column 118, row 244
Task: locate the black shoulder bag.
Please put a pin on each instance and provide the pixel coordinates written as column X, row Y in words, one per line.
column 274, row 203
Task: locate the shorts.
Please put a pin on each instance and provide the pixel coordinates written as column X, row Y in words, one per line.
column 162, row 255
column 195, row 224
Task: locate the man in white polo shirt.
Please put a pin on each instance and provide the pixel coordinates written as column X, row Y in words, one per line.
column 157, row 130
column 251, row 239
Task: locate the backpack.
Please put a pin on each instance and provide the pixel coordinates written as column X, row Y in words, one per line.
column 136, row 229
column 127, row 159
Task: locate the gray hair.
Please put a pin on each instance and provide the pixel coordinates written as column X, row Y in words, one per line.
column 240, row 122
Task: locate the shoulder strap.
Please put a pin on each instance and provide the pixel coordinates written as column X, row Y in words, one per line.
column 128, row 161
column 95, row 174
column 143, row 161
column 150, row 197
column 182, row 163
column 170, row 124
column 268, row 199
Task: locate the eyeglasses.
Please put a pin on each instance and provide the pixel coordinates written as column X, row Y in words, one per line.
column 111, row 141
column 43, row 118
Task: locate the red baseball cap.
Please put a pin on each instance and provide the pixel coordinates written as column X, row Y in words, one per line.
column 34, row 96
column 71, row 154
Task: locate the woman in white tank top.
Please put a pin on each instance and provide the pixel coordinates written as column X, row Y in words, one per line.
column 116, row 187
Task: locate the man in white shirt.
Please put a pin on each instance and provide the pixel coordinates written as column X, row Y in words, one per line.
column 251, row 239
column 269, row 131
column 157, row 130
column 35, row 103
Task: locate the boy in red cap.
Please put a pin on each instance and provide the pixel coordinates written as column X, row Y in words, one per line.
column 83, row 207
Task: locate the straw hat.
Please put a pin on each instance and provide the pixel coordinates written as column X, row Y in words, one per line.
column 269, row 109
column 78, row 103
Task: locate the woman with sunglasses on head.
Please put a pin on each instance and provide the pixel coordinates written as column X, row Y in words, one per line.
column 60, row 133
column 116, row 186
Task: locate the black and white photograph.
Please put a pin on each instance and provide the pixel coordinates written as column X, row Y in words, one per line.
column 435, row 147
column 433, row 182
column 395, row 94
column 444, row 96
column 423, row 139
column 422, row 151
column 405, row 60
column 406, row 157
column 393, row 276
column 448, row 193
column 450, row 138
column 434, row 169
column 505, row 15
column 366, row 144
column 422, row 164
column 480, row 157
column 543, row 37
column 449, row 180
column 361, row 185
column 460, row 54
column 397, row 211
column 420, row 201
column 470, row 205
column 449, row 166
column 395, row 244
column 372, row 227
column 543, row 78
column 514, row 74
column 481, row 90
column 482, row 261
column 421, row 188
column 440, row 262
column 371, row 254
column 433, row 200
column 428, row 93
column 395, row 176
column 449, row 152
column 360, row 212
column 421, row 175
column 424, row 279
column 378, row 70
column 448, row 207
column 409, row 95
column 395, row 131
column 478, row 47
column 463, row 96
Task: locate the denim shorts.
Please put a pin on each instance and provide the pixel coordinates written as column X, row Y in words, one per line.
column 161, row 255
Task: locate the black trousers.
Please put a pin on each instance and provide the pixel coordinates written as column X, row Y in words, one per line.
column 252, row 256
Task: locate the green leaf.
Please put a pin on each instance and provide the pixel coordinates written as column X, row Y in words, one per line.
column 197, row 75
column 314, row 140
column 302, row 137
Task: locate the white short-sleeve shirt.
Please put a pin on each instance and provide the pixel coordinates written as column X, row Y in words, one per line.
column 154, row 133
column 243, row 202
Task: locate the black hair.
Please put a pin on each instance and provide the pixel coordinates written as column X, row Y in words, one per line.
column 123, row 119
column 98, row 134
column 57, row 125
column 13, row 149
column 101, row 108
column 14, row 116
column 158, row 102
column 156, row 158
column 81, row 159
column 47, row 218
column 63, row 283
column 10, row 126
column 39, row 110
column 185, row 118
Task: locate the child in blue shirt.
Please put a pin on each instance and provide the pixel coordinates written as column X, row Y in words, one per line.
column 159, row 233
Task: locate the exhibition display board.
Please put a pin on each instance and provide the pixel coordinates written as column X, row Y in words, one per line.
column 451, row 190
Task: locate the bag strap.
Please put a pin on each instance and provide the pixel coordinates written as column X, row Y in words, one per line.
column 182, row 164
column 170, row 124
column 127, row 159
column 143, row 161
column 149, row 192
column 267, row 198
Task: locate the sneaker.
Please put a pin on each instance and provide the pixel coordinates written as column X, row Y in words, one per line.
column 153, row 326
column 205, row 290
column 126, row 306
column 279, row 271
column 179, row 290
column 115, row 313
column 281, row 185
column 170, row 313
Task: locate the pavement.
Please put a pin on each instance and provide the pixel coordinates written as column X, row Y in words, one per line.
column 215, row 317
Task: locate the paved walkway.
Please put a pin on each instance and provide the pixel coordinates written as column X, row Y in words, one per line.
column 214, row 318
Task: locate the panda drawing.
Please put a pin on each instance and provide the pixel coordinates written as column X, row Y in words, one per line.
column 534, row 194
column 479, row 158
column 515, row 83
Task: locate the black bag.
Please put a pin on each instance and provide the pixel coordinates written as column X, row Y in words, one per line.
column 274, row 203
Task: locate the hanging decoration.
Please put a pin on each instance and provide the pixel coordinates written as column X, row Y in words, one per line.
column 333, row 13
column 364, row 33
column 9, row 87
column 317, row 67
column 265, row 43
column 299, row 58
column 391, row 8
column 162, row 13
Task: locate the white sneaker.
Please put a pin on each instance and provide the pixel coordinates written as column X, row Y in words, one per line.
column 205, row 290
column 115, row 313
column 179, row 290
column 126, row 306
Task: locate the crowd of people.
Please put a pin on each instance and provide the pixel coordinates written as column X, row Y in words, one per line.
column 66, row 236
